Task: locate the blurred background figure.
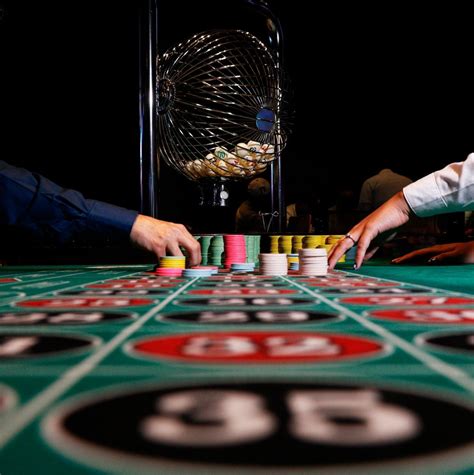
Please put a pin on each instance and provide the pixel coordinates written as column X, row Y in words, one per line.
column 343, row 213
column 299, row 215
column 379, row 188
column 252, row 215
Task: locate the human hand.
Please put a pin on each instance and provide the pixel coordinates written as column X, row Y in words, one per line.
column 457, row 252
column 392, row 214
column 158, row 237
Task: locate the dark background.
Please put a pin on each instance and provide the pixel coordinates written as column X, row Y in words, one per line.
column 374, row 86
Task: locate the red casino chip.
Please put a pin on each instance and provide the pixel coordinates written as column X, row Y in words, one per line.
column 257, row 347
column 438, row 316
column 237, row 292
column 408, row 300
column 85, row 302
column 8, row 280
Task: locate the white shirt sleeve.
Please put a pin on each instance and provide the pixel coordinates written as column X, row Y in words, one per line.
column 445, row 191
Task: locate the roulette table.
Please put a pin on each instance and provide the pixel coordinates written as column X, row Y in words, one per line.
column 114, row 369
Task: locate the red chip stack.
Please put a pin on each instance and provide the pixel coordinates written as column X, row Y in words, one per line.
column 234, row 249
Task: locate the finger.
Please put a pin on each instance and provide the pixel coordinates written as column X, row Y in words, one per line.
column 338, row 251
column 362, row 246
column 422, row 252
column 450, row 256
column 193, row 248
column 413, row 255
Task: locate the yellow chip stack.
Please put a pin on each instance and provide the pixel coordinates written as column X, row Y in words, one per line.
column 297, row 244
column 334, row 238
column 173, row 262
column 274, row 244
column 284, row 244
column 312, row 241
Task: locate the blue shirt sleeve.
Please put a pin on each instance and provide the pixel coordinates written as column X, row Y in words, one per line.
column 33, row 202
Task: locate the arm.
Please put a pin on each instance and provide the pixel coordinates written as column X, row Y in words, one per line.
column 392, row 214
column 458, row 252
column 30, row 201
column 33, row 202
column 444, row 191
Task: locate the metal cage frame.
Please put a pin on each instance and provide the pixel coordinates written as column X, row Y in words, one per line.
column 150, row 166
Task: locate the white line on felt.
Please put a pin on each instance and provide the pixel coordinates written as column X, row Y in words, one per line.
column 44, row 294
column 454, row 374
column 111, row 371
column 25, row 414
column 464, row 294
column 46, row 278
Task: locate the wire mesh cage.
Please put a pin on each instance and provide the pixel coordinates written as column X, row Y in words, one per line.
column 222, row 106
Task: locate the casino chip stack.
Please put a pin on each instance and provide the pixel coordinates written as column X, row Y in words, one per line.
column 297, row 244
column 273, row 264
column 171, row 266
column 313, row 261
column 216, row 249
column 242, row 267
column 234, row 250
column 311, row 241
column 274, row 244
column 205, row 242
column 284, row 244
column 252, row 244
column 200, row 271
column 293, row 262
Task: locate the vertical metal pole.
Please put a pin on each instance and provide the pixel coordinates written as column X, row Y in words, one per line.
column 149, row 164
column 275, row 41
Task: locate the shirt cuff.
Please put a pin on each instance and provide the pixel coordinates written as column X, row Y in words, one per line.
column 112, row 217
column 424, row 197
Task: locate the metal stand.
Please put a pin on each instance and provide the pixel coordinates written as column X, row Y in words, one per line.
column 149, row 162
column 275, row 42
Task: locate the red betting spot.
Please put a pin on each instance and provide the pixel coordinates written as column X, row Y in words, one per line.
column 442, row 316
column 258, row 347
column 408, row 300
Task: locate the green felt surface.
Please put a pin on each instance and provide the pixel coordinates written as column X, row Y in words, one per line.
column 41, row 384
column 459, row 278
